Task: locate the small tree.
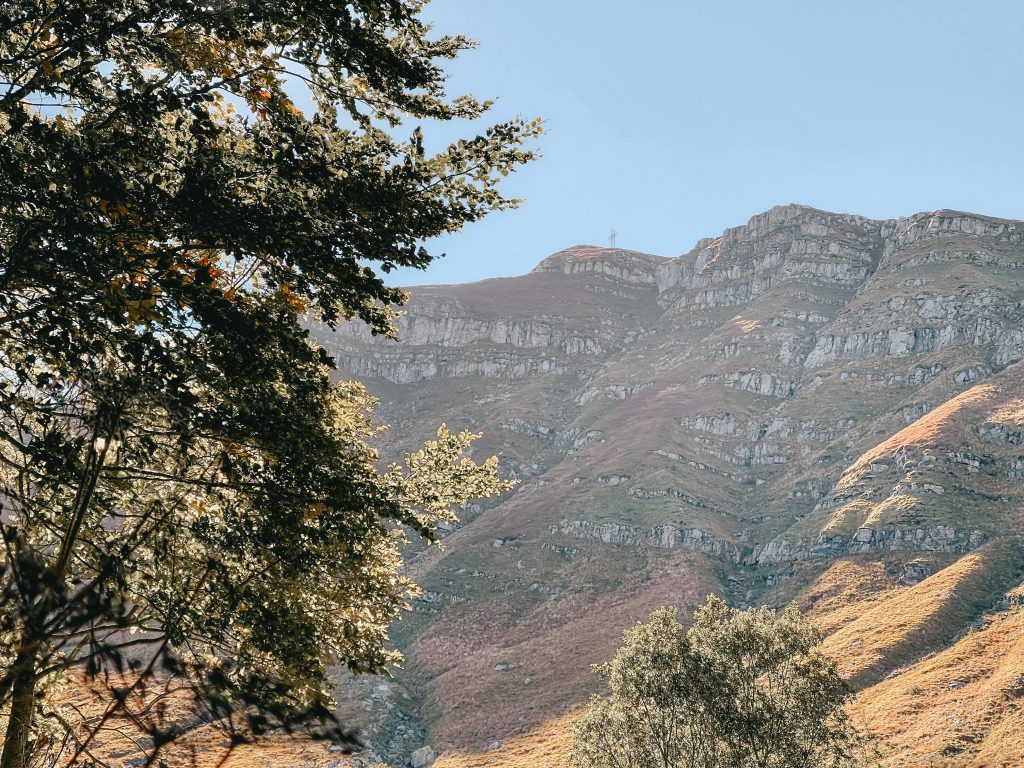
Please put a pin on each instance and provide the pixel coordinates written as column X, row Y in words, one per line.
column 742, row 689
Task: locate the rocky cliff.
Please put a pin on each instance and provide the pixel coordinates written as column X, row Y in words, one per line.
column 806, row 390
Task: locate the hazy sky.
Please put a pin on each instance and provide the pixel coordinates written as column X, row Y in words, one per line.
column 671, row 121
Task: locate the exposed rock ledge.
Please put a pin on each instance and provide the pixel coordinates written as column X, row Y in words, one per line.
column 662, row 536
column 940, row 538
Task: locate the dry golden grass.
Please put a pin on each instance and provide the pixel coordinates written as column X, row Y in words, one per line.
column 963, row 706
column 209, row 750
column 939, row 425
column 911, row 621
column 850, row 515
column 546, row 746
column 119, row 739
column 1011, row 413
column 845, row 592
column 746, row 325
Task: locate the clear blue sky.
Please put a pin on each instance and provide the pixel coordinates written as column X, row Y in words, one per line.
column 671, row 121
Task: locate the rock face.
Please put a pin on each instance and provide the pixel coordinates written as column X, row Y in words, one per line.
column 804, row 388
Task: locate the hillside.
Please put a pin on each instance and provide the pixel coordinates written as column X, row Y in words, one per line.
column 813, row 406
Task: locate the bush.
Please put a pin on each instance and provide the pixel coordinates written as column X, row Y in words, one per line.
column 748, row 689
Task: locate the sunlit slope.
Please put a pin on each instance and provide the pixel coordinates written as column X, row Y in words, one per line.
column 546, row 746
column 119, row 740
column 963, row 705
column 949, row 481
column 923, row 618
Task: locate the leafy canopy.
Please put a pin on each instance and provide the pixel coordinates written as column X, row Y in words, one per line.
column 181, row 473
column 738, row 689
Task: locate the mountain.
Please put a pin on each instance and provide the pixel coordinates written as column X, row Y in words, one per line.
column 813, row 406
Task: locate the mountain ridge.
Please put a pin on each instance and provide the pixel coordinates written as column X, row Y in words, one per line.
column 588, row 250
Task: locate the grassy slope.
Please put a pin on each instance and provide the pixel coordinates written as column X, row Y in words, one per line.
column 548, row 654
column 945, row 702
column 940, row 673
column 961, row 706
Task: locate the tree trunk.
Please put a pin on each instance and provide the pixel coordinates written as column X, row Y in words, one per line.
column 23, row 694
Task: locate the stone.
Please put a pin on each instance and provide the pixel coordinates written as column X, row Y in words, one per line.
column 423, row 757
column 914, row 572
column 863, row 535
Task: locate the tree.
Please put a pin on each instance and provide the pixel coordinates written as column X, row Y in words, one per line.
column 748, row 689
column 184, row 485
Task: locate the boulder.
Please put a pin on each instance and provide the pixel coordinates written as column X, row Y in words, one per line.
column 424, row 757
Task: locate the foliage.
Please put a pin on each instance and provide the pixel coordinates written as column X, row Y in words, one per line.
column 747, row 689
column 184, row 483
